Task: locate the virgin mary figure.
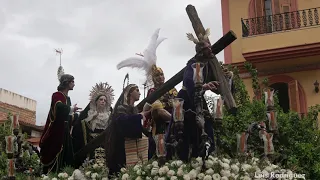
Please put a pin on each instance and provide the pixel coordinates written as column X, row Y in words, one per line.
column 93, row 119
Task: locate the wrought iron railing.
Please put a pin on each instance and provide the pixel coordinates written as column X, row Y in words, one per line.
column 280, row 22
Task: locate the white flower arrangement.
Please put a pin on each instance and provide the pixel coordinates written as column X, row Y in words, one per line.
column 215, row 169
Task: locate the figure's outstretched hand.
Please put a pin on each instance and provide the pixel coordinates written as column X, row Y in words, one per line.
column 76, row 108
column 212, row 86
column 146, row 114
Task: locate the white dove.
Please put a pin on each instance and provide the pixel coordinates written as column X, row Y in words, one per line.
column 146, row 60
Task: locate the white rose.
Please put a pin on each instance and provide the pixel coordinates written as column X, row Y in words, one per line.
column 179, row 163
column 268, row 168
column 209, row 171
column 226, row 160
column 95, row 166
column 166, row 168
column 180, row 172
column 186, row 177
column 60, row 175
column 200, row 176
column 209, row 163
column 139, row 178
column 193, row 174
column 139, row 172
column 195, row 164
column 44, row 177
column 77, row 174
column 234, row 168
column 105, row 178
column 224, row 178
column 162, row 171
column 161, row 178
column 246, row 167
column 149, row 166
column 225, row 166
column 125, row 176
column 136, row 167
column 94, row 175
column 54, row 179
column 233, row 175
column 207, row 177
column 171, row 173
column 123, row 170
column 155, row 164
column 88, row 173
column 65, row 175
column 174, row 178
column 216, row 176
column 198, row 169
column 258, row 170
column 225, row 173
column 154, row 171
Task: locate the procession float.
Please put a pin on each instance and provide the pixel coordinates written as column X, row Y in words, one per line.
column 224, row 137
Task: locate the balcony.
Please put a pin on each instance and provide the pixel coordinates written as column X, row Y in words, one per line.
column 281, row 36
column 280, row 22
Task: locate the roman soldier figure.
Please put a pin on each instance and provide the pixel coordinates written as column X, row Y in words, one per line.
column 160, row 109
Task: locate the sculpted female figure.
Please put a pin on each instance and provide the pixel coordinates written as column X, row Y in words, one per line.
column 126, row 144
column 94, row 118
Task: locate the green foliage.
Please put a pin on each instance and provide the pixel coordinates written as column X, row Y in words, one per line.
column 297, row 145
column 25, row 160
column 3, row 164
column 5, row 130
column 241, row 95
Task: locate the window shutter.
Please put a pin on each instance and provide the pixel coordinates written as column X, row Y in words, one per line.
column 276, row 6
column 294, row 98
column 276, row 16
column 259, row 8
column 260, row 19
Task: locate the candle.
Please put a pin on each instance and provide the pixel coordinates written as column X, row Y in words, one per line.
column 10, row 144
column 197, row 72
column 178, row 109
column 268, row 100
column 273, row 125
column 242, row 142
column 218, row 105
column 11, row 167
column 268, row 145
column 263, row 129
column 14, row 121
column 160, row 145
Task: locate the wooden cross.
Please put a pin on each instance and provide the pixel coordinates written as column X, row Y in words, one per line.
column 214, row 64
column 217, row 47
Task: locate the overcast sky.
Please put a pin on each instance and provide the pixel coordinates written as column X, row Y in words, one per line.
column 95, row 35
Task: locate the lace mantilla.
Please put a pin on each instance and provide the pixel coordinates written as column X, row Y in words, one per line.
column 100, row 121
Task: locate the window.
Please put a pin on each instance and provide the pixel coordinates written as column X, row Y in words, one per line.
column 267, row 16
column 268, row 12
